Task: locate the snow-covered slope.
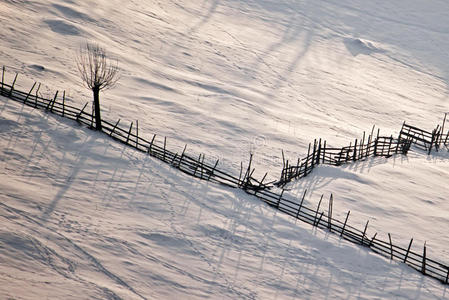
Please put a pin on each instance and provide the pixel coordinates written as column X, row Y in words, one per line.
column 229, row 77
column 84, row 217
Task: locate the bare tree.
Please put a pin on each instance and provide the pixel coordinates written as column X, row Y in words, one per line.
column 97, row 72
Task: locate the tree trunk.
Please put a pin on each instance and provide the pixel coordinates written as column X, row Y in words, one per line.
column 96, row 92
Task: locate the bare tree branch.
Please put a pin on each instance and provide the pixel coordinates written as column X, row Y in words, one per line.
column 97, row 73
column 96, row 69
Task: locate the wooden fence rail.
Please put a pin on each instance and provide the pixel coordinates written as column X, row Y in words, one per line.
column 383, row 146
column 201, row 168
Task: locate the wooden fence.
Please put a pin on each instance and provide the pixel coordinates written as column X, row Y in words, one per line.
column 424, row 139
column 200, row 168
column 373, row 145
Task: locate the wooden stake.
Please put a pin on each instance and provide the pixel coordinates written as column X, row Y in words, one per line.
column 213, row 169
column 52, row 102
column 344, row 225
column 137, row 133
column 202, row 166
column 329, row 213
column 63, row 103
column 364, row 231
column 37, row 91
column 129, row 133
column 300, row 205
column 318, row 153
column 280, row 198
column 317, row 209
column 372, row 240
column 115, row 126
column 240, row 175
column 182, row 156
column 362, row 143
column 391, row 246
column 307, row 160
column 313, row 153
column 79, row 114
column 3, row 78
column 29, row 93
column 324, row 152
column 423, row 269
column 165, row 145
column 408, row 250
column 151, row 144
column 13, row 83
column 319, row 220
column 442, row 128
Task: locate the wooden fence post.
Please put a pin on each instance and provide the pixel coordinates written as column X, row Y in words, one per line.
column 182, row 156
column 3, row 78
column 300, row 205
column 317, row 209
column 115, row 126
column 307, row 161
column 364, row 231
column 12, row 86
column 354, row 155
column 324, row 152
column 318, row 153
column 423, row 269
column 372, row 240
column 442, row 129
column 137, row 134
column 240, row 175
column 362, row 146
column 376, row 142
column 280, row 198
column 29, row 93
column 202, row 164
column 37, row 92
column 163, row 158
column 151, row 145
column 408, row 250
column 329, row 213
column 63, row 103
column 391, row 246
column 129, row 132
column 52, row 102
column 79, row 114
column 313, row 153
column 213, row 169
column 319, row 219
column 344, row 225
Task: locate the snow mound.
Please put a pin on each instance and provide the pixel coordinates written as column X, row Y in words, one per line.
column 358, row 46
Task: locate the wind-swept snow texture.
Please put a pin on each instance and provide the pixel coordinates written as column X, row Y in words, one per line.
column 230, row 77
column 85, row 217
